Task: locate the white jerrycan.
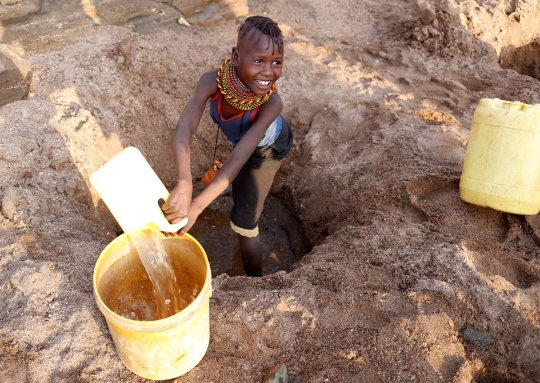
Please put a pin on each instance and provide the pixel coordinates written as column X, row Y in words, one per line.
column 132, row 191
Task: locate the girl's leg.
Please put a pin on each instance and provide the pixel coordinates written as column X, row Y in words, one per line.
column 251, row 250
column 250, row 189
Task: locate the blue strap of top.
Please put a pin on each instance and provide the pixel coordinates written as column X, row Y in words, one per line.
column 235, row 128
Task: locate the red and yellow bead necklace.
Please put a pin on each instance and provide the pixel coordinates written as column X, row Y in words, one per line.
column 236, row 93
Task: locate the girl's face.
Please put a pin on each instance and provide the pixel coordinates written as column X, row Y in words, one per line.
column 258, row 61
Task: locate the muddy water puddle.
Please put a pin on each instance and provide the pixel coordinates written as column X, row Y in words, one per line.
column 281, row 237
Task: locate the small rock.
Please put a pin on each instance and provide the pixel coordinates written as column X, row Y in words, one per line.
column 475, row 337
column 427, row 17
column 276, row 374
column 183, row 21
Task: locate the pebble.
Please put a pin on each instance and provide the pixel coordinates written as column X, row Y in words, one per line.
column 183, row 21
column 475, row 337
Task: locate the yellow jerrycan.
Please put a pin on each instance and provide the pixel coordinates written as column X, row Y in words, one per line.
column 501, row 169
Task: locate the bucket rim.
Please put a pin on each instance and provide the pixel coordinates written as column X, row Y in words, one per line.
column 158, row 324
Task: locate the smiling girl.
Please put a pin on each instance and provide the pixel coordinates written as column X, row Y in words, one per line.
column 245, row 105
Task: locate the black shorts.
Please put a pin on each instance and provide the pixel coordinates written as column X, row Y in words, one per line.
column 253, row 182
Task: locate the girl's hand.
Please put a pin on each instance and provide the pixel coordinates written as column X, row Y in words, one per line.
column 176, row 208
column 192, row 216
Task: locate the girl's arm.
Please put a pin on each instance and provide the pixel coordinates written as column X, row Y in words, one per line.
column 177, row 205
column 269, row 111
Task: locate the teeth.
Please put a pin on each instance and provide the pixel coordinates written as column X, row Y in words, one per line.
column 262, row 82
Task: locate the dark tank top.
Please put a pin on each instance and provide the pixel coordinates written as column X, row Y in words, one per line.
column 235, row 127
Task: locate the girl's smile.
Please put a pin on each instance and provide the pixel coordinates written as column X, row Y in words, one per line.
column 264, row 85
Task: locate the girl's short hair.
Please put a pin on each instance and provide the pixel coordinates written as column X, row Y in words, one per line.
column 266, row 26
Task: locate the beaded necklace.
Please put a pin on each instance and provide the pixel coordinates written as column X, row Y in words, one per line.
column 236, row 93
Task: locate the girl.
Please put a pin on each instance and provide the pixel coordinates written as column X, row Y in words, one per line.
column 245, row 105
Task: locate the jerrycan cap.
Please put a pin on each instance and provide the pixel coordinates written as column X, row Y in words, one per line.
column 133, row 192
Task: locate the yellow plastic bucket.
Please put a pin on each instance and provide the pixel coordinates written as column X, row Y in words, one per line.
column 164, row 348
column 501, row 169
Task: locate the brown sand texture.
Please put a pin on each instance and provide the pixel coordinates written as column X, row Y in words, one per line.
column 403, row 282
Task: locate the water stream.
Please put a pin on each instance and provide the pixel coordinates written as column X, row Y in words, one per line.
column 157, row 263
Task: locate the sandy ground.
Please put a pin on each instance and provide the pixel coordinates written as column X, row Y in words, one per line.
column 404, row 282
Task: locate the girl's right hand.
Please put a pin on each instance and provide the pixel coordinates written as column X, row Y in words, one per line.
column 177, row 206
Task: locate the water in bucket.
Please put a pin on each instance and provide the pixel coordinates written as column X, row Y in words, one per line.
column 167, row 298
